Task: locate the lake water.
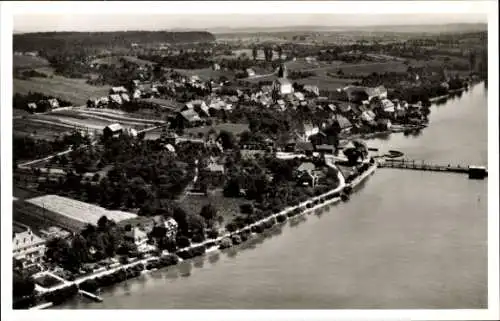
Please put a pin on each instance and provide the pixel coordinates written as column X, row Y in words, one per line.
column 406, row 240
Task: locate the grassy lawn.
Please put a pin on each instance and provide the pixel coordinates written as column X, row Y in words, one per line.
column 47, row 281
column 366, row 68
column 72, row 90
column 325, row 82
column 235, row 128
column 26, row 127
column 206, row 73
column 28, row 62
column 227, row 207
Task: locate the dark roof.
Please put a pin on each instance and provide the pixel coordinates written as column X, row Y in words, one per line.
column 343, row 122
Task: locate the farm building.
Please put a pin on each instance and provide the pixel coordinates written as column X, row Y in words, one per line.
column 70, row 214
column 113, row 130
column 188, row 118
column 32, row 106
column 199, row 106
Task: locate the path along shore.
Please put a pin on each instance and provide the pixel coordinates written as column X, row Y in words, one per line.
column 329, row 162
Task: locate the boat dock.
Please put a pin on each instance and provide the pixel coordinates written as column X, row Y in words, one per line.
column 474, row 172
column 90, row 295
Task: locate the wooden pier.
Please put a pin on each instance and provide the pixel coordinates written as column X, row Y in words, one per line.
column 90, row 295
column 474, row 172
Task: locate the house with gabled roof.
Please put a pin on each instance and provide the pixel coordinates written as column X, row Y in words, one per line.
column 117, row 90
column 53, row 103
column 116, row 98
column 113, row 130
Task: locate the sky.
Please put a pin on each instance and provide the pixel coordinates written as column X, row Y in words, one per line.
column 120, row 22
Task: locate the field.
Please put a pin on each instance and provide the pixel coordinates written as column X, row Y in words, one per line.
column 227, row 207
column 206, row 73
column 53, row 124
column 75, row 91
column 325, row 82
column 115, row 60
column 28, row 62
column 234, row 128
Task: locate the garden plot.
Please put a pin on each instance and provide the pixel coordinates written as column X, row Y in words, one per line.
column 39, row 129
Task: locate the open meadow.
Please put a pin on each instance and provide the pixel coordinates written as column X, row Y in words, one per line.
column 206, row 74
column 76, row 91
column 227, row 207
column 23, row 61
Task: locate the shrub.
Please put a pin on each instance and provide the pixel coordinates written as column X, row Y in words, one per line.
column 198, row 238
column 213, row 234
column 231, row 227
column 225, row 243
column 183, row 241
column 281, row 218
column 236, row 239
column 247, row 208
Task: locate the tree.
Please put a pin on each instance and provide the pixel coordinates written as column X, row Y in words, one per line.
column 102, row 223
column 182, row 242
column 196, row 224
column 208, row 212
column 23, row 285
column 254, row 53
column 246, row 208
column 227, row 139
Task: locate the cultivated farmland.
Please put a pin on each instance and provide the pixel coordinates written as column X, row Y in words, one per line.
column 115, row 60
column 53, row 124
column 76, row 91
column 22, row 61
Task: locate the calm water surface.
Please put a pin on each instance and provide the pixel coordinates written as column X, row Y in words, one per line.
column 405, row 240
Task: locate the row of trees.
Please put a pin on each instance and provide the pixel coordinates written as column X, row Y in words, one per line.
column 24, row 148
column 20, row 101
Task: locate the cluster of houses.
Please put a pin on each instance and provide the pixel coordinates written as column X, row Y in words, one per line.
column 46, row 104
column 29, row 248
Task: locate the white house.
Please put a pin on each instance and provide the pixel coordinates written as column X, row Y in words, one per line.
column 27, row 246
column 138, row 236
column 116, row 98
column 283, row 86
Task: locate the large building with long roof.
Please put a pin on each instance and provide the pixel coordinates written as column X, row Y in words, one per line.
column 68, row 213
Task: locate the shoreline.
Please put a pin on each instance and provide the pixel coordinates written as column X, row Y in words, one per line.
column 315, row 203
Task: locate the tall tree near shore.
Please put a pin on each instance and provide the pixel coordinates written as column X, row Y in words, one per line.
column 254, row 53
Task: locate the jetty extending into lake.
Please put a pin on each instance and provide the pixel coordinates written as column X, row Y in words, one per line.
column 474, row 172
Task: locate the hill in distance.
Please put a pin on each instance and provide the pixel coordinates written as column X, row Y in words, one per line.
column 52, row 40
column 434, row 28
